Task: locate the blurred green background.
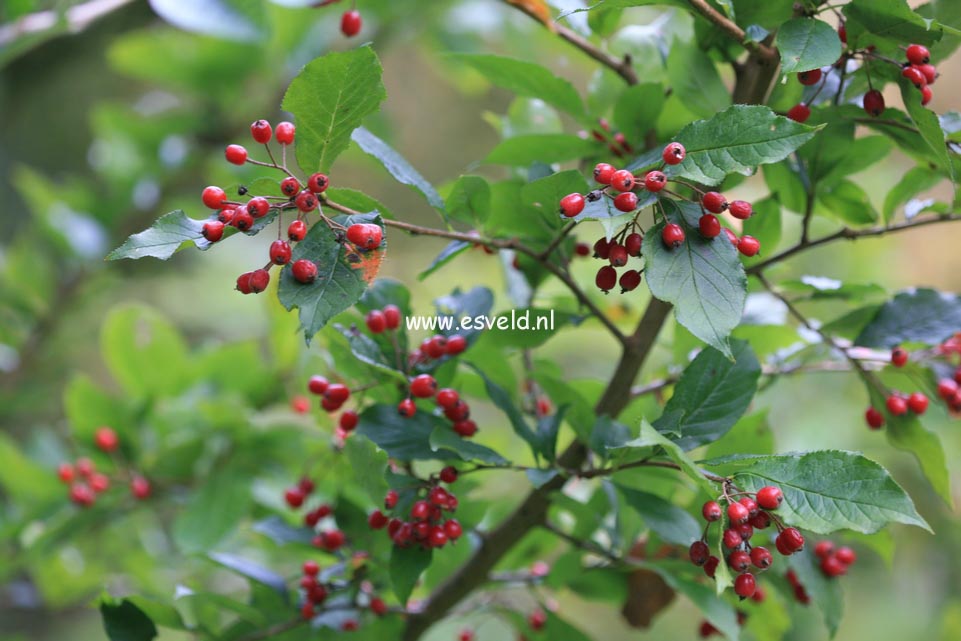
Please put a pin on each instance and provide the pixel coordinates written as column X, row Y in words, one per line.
column 104, row 130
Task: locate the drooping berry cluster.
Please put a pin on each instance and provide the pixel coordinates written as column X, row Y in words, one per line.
column 834, row 561
column 302, row 201
column 426, row 524
column 328, row 537
column 745, row 515
column 917, row 68
column 616, row 141
column 899, row 404
column 87, row 483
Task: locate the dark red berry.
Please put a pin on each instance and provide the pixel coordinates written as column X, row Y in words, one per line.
column 297, row 230
column 447, row 397
column 618, row 256
column 259, row 279
column 629, row 280
column 537, row 620
column 711, row 511
column 823, row 549
column 674, row 153
column 260, row 131
column 317, row 385
column 711, row 565
column 337, row 392
column 243, row 283
column 745, row 585
column 699, row 552
column 582, row 249
column 603, row 173
column 602, row 248
column 348, row 420
column 290, row 186
column 809, row 77
column 622, row 180
column 304, row 271
column 294, row 497
column 873, row 102
column 572, row 205
column 792, row 539
column 235, row 154
column 672, row 236
column 606, row 278
column 390, row 499
column 926, row 95
column 285, row 132
column 655, row 181
column 714, row 202
column 351, row 23
column 213, row 197
column 709, row 226
column 874, row 418
column 761, row 558
column 455, row 345
column 732, row 538
column 740, row 209
column 831, row 567
column 280, row 252
column 626, row 202
column 632, row 243
column 918, row 54
column 466, row 428
column 899, row 357
column 799, row 113
column 760, row 521
column 739, row 561
column 453, row 529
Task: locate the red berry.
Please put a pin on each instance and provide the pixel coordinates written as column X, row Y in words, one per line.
column 447, row 398
column 448, row 474
column 297, row 230
column 280, row 252
column 606, row 278
column 304, row 271
column 537, row 620
column 711, row 511
column 350, row 23
column 897, row 405
column 226, row 216
column 306, row 201
column 259, row 279
column 294, row 497
column 235, row 154
column 799, row 112
column 376, row 321
column 317, row 385
column 672, row 236
column 899, row 357
column 242, row 219
column 622, row 180
column 918, row 54
column 740, row 209
column 333, row 540
column 760, row 521
column 572, row 205
column 213, row 230
column 243, row 283
column 99, row 483
column 732, row 539
column 311, row 568
column 290, row 186
column 745, row 530
column 843, row 34
column 258, row 207
column 406, row 408
column 423, row 386
column 629, row 280
column 140, row 488
column 435, row 347
column 420, row 510
column 466, row 428
column 737, row 513
column 582, row 249
column 874, row 418
column 260, row 131
column 918, row 403
column 378, row 606
column 603, row 173
column 745, row 585
column 926, row 95
column 655, row 181
column 709, row 226
column 285, row 132
column 455, row 345
column 348, row 420
column 846, row 555
column 823, row 549
column 915, row 76
column 711, row 565
column 82, row 495
column 365, row 235
column 626, row 202
column 438, row 496
column 65, row 472
column 770, row 497
column 674, row 153
column 213, row 197
column 632, row 243
column 377, row 520
column 831, row 567
column 466, row 635
column 106, row 439
column 392, row 316
column 749, row 245
column 618, row 256
column 930, row 73
column 947, row 388
column 750, row 504
column 873, row 102
column 739, row 561
column 699, row 552
column 809, row 77
column 337, row 392
column 390, row 499
column 602, row 248
column 792, row 539
column 318, row 183
column 714, row 202
column 761, row 557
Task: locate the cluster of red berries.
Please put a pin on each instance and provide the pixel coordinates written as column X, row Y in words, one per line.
column 86, row 482
column 617, row 251
column 751, row 512
column 800, row 592
column 917, row 68
column 616, row 142
column 428, row 527
column 333, row 395
column 898, row 404
column 293, row 197
column 835, row 561
column 536, row 620
column 314, row 591
column 437, row 347
column 329, row 539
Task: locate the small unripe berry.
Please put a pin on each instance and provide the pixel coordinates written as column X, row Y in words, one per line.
column 672, row 236
column 711, row 511
column 572, row 205
column 709, row 226
column 213, row 197
column 260, row 131
column 304, row 271
column 285, row 132
column 674, row 153
column 235, row 154
column 626, row 202
column 655, row 181
column 622, row 180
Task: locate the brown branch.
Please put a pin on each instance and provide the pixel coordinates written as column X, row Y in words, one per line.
column 620, row 66
column 732, row 29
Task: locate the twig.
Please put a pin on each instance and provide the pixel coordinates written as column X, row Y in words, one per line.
column 732, row 29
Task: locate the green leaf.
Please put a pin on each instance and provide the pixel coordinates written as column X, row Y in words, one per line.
column 526, row 79
column 213, row 512
column 928, row 124
column 340, row 282
column 24, row 480
column 406, row 566
column 668, row 521
column 357, row 200
column 703, row 278
column 369, row 463
column 637, row 109
column 126, row 622
column 711, row 395
column 715, row 609
column 807, row 43
column 499, row 396
column 330, row 97
column 169, row 234
column 848, row 202
column 405, row 439
column 368, row 351
column 765, row 224
column 695, row 80
column 469, row 200
column 458, row 305
column 916, row 180
column 830, row 490
column 824, row 591
column 914, row 316
column 892, row 21
column 281, row 532
column 607, row 433
column 650, row 437
column 737, row 140
column 251, row 570
column 144, row 352
column 752, row 434
column 444, row 438
column 547, row 148
column 88, row 407
column 453, row 249
column 401, row 170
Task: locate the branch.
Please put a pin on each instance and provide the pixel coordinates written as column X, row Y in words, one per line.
column 73, row 20
column 730, row 28
column 621, row 66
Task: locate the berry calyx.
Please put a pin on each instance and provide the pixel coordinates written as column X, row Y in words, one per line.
column 626, row 202
column 672, row 236
column 918, row 54
column 748, row 245
column 423, row 386
column 318, row 183
column 213, row 197
column 808, row 78
column 260, row 131
column 714, row 202
column 770, row 497
column 235, row 154
column 572, row 205
column 740, row 209
column 285, row 132
column 365, row 235
column 622, row 180
column 296, row 230
column 304, row 271
column 603, row 173
column 873, row 102
column 674, row 153
column 874, row 418
column 709, row 226
column 799, row 112
column 655, row 181
column 351, row 23
column 711, row 511
column 280, row 252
